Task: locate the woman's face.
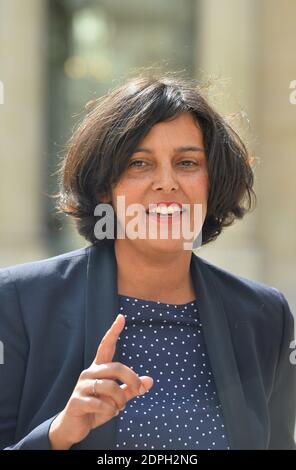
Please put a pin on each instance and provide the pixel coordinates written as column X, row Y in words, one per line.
column 167, row 169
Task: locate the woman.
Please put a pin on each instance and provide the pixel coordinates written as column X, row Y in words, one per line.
column 137, row 342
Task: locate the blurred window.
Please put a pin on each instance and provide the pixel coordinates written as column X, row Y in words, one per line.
column 93, row 45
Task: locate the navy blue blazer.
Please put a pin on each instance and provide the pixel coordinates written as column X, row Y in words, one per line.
column 54, row 313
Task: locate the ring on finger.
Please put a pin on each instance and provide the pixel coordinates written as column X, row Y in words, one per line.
column 94, row 387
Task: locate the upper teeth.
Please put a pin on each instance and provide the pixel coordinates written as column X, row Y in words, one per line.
column 165, row 210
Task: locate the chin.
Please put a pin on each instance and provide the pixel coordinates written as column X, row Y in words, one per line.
column 164, row 246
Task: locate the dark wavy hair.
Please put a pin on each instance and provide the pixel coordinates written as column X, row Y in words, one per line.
column 99, row 151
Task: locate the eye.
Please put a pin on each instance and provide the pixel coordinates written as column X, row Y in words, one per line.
column 136, row 163
column 188, row 163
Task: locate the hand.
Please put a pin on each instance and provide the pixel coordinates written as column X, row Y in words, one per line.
column 97, row 397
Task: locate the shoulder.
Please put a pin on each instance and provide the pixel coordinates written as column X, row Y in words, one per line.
column 42, row 293
column 246, row 295
column 234, row 281
column 56, row 266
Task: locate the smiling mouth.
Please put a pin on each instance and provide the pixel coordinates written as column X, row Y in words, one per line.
column 164, row 211
column 165, row 214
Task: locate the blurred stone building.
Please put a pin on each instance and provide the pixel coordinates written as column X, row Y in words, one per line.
column 56, row 55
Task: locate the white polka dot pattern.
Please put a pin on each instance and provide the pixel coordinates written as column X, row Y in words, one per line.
column 182, row 410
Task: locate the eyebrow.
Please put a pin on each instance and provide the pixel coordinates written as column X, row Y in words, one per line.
column 183, row 148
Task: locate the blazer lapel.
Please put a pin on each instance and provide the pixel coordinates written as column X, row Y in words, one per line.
column 101, row 297
column 217, row 336
column 101, row 309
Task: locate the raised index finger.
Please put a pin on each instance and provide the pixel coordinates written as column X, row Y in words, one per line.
column 107, row 347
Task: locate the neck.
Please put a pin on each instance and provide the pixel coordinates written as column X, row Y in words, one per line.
column 151, row 276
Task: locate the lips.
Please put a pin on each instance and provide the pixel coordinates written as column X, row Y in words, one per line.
column 165, row 208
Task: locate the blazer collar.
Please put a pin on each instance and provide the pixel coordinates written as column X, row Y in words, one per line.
column 101, row 310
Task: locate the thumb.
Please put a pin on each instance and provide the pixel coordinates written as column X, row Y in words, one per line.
column 147, row 383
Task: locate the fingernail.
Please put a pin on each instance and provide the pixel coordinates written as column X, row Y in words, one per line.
column 117, row 413
column 142, row 390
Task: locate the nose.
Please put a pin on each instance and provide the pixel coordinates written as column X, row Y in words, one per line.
column 165, row 180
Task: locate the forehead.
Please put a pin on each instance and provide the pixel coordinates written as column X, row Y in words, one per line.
column 181, row 130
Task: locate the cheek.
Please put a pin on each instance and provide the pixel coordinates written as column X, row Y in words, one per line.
column 197, row 188
column 132, row 192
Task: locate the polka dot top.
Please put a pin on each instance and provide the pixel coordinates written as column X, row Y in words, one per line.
column 182, row 409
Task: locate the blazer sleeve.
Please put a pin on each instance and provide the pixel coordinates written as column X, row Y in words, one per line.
column 14, row 353
column 282, row 403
